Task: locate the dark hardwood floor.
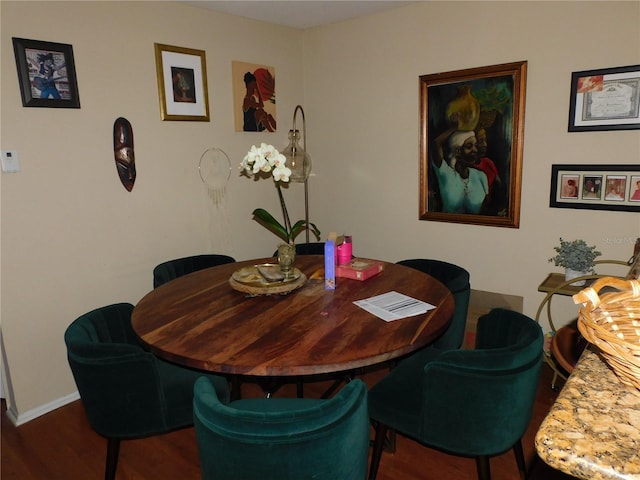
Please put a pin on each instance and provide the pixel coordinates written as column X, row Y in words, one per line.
column 61, row 446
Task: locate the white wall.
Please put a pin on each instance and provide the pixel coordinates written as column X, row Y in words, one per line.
column 361, row 92
column 73, row 239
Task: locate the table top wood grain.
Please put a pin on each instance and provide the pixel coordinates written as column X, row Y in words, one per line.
column 199, row 321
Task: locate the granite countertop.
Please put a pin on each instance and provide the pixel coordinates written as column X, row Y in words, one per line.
column 593, row 429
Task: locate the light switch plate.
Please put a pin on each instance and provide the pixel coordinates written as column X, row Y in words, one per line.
column 10, row 161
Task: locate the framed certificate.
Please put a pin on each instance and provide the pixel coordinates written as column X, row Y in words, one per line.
column 605, row 99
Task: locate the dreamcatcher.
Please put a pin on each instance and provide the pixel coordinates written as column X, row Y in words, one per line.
column 215, row 171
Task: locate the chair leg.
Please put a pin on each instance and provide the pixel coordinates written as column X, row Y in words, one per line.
column 113, row 450
column 378, row 444
column 483, row 467
column 390, row 444
column 332, row 389
column 346, row 378
column 236, row 388
column 300, row 387
column 522, row 465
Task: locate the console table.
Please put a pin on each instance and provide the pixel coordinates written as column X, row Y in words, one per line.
column 555, row 284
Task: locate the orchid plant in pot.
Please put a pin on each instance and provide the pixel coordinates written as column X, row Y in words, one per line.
column 576, row 257
column 258, row 162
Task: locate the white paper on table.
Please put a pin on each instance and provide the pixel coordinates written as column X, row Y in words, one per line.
column 394, row 306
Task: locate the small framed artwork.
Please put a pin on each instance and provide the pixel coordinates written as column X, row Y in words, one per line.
column 471, row 141
column 596, row 187
column 605, row 99
column 182, row 83
column 254, row 97
column 46, row 73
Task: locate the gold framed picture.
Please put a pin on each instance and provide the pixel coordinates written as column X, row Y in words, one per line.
column 182, row 83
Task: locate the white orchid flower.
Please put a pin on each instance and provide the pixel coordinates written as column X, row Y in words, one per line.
column 270, row 153
column 279, row 160
column 267, row 159
column 281, row 173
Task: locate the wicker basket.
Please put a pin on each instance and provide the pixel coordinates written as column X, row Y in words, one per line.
column 611, row 321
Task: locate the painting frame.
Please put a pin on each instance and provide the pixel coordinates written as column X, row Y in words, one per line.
column 46, row 68
column 500, row 111
column 598, row 187
column 182, row 83
column 605, row 99
column 254, row 106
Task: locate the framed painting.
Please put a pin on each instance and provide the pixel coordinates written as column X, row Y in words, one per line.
column 596, row 187
column 471, row 140
column 605, row 99
column 182, row 83
column 254, row 97
column 46, row 73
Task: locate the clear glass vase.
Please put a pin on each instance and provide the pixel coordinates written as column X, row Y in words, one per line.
column 286, row 258
column 298, row 160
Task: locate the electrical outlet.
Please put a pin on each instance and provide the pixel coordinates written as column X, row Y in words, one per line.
column 10, row 161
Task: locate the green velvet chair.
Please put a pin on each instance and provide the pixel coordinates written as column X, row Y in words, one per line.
column 171, row 269
column 282, row 438
column 126, row 391
column 311, row 248
column 456, row 279
column 472, row 403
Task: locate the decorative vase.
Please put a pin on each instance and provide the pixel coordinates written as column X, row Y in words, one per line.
column 466, row 107
column 570, row 274
column 286, row 257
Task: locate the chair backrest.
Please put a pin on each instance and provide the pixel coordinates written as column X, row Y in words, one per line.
column 172, row 269
column 117, row 380
column 479, row 402
column 456, row 279
column 311, row 248
column 283, row 438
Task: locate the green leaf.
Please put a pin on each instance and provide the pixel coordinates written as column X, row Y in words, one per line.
column 300, row 226
column 266, row 220
column 314, row 230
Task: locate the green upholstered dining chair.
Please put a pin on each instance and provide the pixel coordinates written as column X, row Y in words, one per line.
column 126, row 391
column 311, row 248
column 456, row 279
column 171, row 269
column 282, row 438
column 473, row 403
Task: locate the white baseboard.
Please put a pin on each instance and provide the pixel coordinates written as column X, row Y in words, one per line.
column 20, row 419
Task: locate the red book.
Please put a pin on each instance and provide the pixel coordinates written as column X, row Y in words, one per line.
column 359, row 269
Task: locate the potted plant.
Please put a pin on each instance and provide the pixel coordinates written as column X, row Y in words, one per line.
column 576, row 257
column 264, row 160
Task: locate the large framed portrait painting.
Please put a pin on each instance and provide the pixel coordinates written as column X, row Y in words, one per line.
column 471, row 140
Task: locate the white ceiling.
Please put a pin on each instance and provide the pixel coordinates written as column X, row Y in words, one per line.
column 298, row 13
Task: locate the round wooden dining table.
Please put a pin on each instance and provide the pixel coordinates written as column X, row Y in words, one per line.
column 200, row 321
